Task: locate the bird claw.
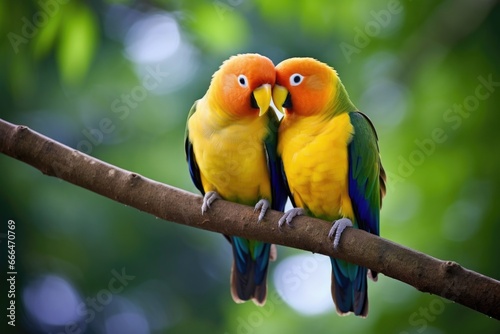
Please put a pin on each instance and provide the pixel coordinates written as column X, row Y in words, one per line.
column 289, row 215
column 337, row 229
column 208, row 199
column 261, row 205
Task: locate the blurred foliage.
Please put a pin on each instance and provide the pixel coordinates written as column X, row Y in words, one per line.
column 116, row 79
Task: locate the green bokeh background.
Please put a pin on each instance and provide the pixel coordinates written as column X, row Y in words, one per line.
column 418, row 69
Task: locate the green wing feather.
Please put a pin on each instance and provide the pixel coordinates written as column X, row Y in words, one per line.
column 194, row 170
column 366, row 174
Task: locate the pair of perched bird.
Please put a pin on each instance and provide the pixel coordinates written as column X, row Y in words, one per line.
column 323, row 155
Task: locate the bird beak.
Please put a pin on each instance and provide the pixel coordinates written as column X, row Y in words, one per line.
column 280, row 95
column 262, row 96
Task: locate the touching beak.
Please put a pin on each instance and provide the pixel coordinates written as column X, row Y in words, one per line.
column 280, row 95
column 262, row 96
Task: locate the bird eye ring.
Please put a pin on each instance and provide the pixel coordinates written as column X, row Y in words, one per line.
column 296, row 79
column 243, row 81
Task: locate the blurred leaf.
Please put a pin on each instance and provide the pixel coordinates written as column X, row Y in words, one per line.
column 44, row 40
column 220, row 27
column 78, row 43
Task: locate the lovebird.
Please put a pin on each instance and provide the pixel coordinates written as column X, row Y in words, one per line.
column 230, row 144
column 331, row 163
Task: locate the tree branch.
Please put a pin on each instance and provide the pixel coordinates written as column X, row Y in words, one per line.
column 427, row 274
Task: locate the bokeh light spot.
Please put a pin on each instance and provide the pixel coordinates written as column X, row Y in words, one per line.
column 51, row 300
column 303, row 281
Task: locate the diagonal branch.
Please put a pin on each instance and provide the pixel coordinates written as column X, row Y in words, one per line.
column 444, row 278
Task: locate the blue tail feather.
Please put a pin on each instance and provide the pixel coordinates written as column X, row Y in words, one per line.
column 349, row 287
column 248, row 276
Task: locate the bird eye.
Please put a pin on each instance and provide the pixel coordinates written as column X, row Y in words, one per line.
column 243, row 81
column 296, row 79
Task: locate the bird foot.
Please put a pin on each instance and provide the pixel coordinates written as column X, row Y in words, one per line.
column 261, row 205
column 208, row 199
column 337, row 229
column 289, row 215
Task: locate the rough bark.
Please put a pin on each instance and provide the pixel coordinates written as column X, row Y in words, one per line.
column 444, row 278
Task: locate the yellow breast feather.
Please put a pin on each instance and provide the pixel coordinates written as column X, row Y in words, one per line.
column 314, row 153
column 231, row 156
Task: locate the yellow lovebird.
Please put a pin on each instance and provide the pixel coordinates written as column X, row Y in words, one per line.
column 332, row 165
column 231, row 138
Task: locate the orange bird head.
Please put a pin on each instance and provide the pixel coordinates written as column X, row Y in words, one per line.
column 305, row 87
column 243, row 85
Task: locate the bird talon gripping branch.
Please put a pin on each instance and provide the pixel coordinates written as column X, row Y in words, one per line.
column 261, row 205
column 289, row 215
column 337, row 229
